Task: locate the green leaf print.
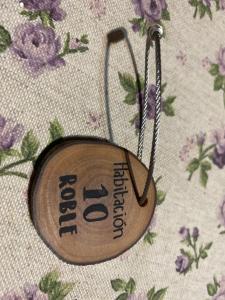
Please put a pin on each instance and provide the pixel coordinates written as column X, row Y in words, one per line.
column 212, row 288
column 165, row 15
column 28, row 151
column 30, row 15
column 161, row 196
column 194, row 254
column 30, row 145
column 218, row 82
column 130, row 286
column 118, row 284
column 56, row 130
column 214, row 69
column 123, row 296
column 5, row 39
column 56, row 289
column 127, row 82
column 159, row 295
column 134, row 94
column 150, row 237
column 151, row 293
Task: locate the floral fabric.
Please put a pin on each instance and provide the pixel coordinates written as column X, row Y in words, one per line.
column 52, row 57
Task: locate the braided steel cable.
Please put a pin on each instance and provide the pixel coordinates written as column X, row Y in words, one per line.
column 154, row 34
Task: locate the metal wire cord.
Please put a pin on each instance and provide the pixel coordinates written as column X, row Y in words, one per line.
column 155, row 34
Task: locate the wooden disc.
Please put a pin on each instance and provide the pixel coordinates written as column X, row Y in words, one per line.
column 84, row 202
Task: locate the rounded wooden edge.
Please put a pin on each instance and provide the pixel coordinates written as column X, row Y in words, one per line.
column 35, row 174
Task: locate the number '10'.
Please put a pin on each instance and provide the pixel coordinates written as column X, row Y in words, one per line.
column 95, row 208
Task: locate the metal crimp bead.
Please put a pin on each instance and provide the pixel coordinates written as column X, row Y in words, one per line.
column 156, row 29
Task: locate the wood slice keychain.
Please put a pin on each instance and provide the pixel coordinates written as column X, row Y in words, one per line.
column 90, row 199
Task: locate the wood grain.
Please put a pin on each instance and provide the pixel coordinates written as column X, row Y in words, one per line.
column 83, row 201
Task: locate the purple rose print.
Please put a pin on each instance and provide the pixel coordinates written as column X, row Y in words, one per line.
column 37, row 46
column 150, row 104
column 151, row 101
column 216, row 289
column 207, row 2
column 10, row 133
column 48, row 286
column 189, row 145
column 50, row 6
column 135, row 94
column 201, row 138
column 75, row 43
column 136, row 27
column 221, row 60
column 205, row 155
column 182, row 264
column 221, row 215
column 94, row 120
column 206, row 63
column 151, row 10
column 222, row 4
column 32, row 292
column 220, row 295
column 138, row 7
column 218, row 156
column 11, row 296
column 153, row 222
column 217, row 70
column 188, row 258
column 182, row 57
column 184, row 233
column 98, row 7
column 195, row 233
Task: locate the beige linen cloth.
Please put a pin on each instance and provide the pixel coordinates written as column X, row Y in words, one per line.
column 61, row 92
